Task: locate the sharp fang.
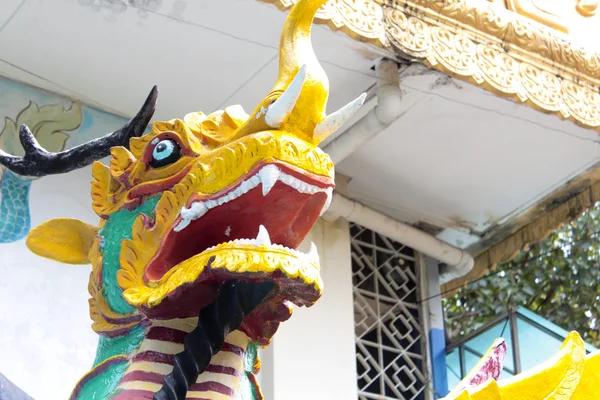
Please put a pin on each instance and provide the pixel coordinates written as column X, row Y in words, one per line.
column 329, row 192
column 283, row 106
column 312, row 253
column 182, row 225
column 334, row 121
column 263, row 237
column 268, row 176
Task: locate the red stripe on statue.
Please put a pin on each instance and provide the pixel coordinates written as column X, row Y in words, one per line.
column 154, row 356
column 219, row 369
column 134, row 395
column 211, row 387
column 166, row 334
column 232, row 348
column 143, row 376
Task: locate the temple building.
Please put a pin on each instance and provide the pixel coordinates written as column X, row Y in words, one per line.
column 478, row 137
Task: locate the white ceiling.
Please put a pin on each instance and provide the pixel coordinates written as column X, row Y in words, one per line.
column 464, row 158
column 214, row 54
column 461, row 158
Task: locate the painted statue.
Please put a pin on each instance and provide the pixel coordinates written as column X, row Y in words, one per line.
column 568, row 375
column 193, row 261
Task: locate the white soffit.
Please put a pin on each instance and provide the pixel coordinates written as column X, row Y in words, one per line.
column 465, row 159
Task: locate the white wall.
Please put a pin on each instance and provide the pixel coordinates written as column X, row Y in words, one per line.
column 313, row 354
column 46, row 340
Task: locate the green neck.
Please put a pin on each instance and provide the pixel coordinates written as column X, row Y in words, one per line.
column 106, row 384
column 112, row 234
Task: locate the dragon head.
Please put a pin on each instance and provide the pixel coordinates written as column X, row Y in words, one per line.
column 203, row 200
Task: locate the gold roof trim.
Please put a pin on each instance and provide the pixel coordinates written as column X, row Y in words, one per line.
column 510, row 54
column 501, row 51
column 560, row 207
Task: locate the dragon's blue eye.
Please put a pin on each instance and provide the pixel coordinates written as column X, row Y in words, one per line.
column 166, row 152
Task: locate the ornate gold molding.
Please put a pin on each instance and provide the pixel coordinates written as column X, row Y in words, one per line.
column 587, row 8
column 542, row 11
column 501, row 52
column 360, row 19
column 483, row 43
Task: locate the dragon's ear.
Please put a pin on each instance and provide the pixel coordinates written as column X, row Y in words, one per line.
column 64, row 240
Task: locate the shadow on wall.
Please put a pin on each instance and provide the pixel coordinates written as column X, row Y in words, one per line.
column 9, row 391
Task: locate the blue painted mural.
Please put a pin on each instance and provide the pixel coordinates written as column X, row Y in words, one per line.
column 57, row 123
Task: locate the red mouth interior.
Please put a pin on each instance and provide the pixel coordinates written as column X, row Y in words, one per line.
column 287, row 214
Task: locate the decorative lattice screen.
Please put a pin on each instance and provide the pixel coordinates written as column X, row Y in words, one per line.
column 389, row 346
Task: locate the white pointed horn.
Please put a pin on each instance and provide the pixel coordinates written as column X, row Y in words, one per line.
column 334, row 121
column 280, row 109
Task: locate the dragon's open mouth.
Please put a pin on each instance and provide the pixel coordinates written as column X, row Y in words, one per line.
column 283, row 200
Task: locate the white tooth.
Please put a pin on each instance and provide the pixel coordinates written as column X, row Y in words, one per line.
column 180, row 226
column 283, row 106
column 329, row 193
column 187, row 213
column 312, row 254
column 255, row 180
column 268, row 176
column 195, row 211
column 263, row 237
column 285, row 178
column 246, row 186
column 211, row 204
column 334, row 121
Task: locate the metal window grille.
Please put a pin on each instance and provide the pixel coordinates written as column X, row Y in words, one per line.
column 390, row 354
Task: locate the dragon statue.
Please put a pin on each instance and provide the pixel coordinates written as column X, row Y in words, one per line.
column 194, row 260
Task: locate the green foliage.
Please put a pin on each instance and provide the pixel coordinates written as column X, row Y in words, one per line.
column 558, row 279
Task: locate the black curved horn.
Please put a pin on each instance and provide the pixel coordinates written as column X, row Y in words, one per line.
column 39, row 162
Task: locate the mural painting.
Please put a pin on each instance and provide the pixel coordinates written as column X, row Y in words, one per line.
column 57, row 124
column 49, row 124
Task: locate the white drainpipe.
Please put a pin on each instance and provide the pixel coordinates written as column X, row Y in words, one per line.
column 389, row 108
column 459, row 262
